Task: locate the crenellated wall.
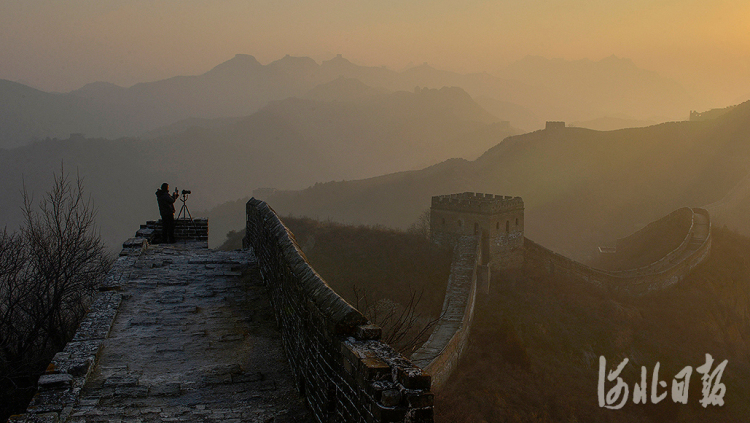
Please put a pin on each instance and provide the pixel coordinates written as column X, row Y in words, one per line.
column 184, row 230
column 345, row 373
column 440, row 354
column 342, row 369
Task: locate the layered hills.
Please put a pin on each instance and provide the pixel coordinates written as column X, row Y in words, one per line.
column 581, row 188
column 288, row 144
column 526, row 94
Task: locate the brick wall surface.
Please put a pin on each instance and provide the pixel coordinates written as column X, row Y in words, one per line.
column 184, row 230
column 345, row 373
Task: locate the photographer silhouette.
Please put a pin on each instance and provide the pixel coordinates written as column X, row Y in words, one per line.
column 166, row 210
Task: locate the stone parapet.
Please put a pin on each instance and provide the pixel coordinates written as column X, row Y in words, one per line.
column 59, row 389
column 184, row 230
column 345, row 373
column 477, row 203
column 439, row 355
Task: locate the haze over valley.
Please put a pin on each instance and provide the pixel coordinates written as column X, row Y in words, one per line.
column 348, row 118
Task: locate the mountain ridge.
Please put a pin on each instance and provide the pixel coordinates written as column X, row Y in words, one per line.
column 242, row 85
column 600, row 185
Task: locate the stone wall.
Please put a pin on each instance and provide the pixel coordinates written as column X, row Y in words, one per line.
column 649, row 244
column 658, row 275
column 345, row 373
column 497, row 219
column 184, row 230
column 440, row 354
column 679, row 218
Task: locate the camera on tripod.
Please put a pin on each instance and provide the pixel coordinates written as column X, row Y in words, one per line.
column 184, row 212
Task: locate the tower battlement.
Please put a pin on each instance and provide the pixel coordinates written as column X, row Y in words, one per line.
column 471, row 202
column 496, row 219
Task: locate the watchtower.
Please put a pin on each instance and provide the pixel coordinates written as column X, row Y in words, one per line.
column 497, row 219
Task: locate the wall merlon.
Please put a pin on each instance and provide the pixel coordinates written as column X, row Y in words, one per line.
column 185, row 230
column 477, row 203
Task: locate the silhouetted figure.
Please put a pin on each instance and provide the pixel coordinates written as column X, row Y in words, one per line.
column 166, row 210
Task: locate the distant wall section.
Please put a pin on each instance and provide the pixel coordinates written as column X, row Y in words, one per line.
column 665, row 272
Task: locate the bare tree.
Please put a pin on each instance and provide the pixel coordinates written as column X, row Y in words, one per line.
column 405, row 328
column 421, row 226
column 49, row 271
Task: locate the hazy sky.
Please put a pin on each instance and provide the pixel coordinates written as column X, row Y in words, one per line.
column 61, row 45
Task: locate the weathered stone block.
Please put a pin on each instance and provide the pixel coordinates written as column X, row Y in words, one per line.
column 420, row 399
column 368, row 332
column 414, row 378
column 55, row 380
column 390, row 397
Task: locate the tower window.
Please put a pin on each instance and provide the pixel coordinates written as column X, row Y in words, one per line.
column 507, row 226
column 516, row 221
column 497, row 226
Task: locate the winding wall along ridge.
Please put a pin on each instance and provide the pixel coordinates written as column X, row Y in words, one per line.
column 439, row 355
column 663, row 273
column 344, row 371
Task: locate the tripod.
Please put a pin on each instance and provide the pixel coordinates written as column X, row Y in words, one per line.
column 184, row 212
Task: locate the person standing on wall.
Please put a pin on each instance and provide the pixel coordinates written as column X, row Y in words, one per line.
column 166, row 210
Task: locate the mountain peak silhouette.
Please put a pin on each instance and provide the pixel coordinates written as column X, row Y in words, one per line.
column 338, row 62
column 294, row 64
column 239, row 63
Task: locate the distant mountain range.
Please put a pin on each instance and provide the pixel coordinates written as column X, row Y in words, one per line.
column 288, row 144
column 581, row 188
column 526, row 94
column 585, row 89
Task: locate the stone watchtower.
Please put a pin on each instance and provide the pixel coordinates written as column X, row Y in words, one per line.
column 496, row 219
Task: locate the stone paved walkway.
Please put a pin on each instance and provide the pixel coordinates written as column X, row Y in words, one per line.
column 194, row 340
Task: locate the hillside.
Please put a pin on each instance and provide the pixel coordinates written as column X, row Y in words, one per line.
column 609, row 123
column 581, row 188
column 289, row 144
column 28, row 114
column 535, row 345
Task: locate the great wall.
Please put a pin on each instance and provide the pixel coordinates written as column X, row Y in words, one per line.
column 183, row 333
column 486, row 232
